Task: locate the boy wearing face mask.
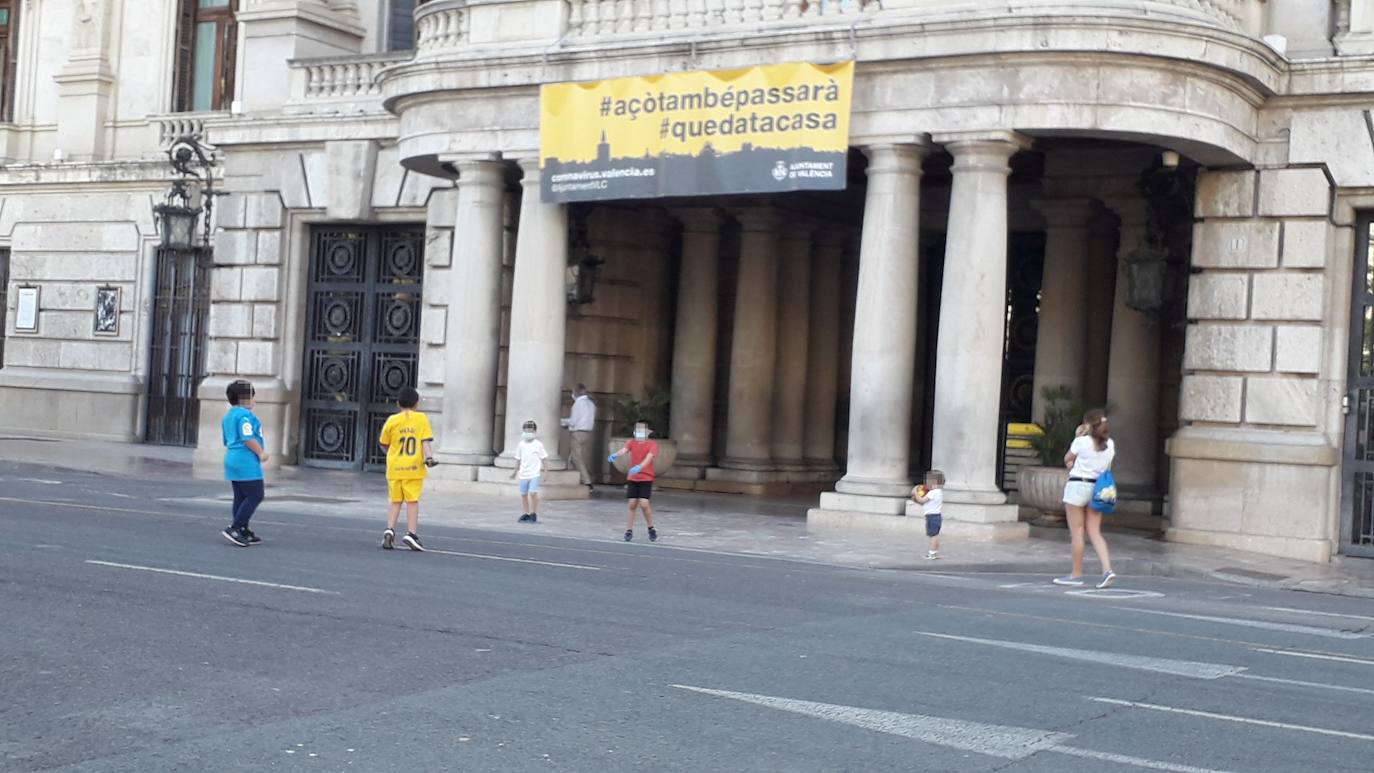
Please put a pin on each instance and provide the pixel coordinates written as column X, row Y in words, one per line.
column 529, row 466
column 640, row 480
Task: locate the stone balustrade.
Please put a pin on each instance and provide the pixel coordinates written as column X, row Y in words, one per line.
column 440, row 25
column 595, row 18
column 170, row 127
column 340, row 78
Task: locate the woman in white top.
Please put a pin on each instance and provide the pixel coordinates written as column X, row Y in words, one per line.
column 1089, row 456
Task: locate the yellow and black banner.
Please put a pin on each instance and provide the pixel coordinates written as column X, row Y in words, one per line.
column 768, row 129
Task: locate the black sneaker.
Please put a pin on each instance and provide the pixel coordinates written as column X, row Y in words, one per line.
column 388, row 539
column 235, row 536
column 534, row 517
column 629, row 535
column 413, row 542
column 525, row 518
column 253, row 539
column 653, row 534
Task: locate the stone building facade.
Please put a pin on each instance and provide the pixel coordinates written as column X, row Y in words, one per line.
column 1160, row 204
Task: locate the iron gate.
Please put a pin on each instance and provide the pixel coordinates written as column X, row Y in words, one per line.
column 362, row 344
column 1357, row 464
column 181, row 306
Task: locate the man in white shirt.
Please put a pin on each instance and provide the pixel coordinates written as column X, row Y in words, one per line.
column 581, row 423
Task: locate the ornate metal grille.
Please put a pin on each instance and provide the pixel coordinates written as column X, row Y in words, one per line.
column 1357, row 467
column 361, row 350
column 181, row 306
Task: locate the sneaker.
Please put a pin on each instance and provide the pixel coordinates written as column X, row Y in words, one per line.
column 932, row 555
column 388, row 539
column 524, row 518
column 1108, row 580
column 653, row 534
column 235, row 536
column 1070, row 580
column 629, row 535
column 253, row 539
column 413, row 542
column 534, row 517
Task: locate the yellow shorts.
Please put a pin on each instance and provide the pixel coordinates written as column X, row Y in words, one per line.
column 405, row 490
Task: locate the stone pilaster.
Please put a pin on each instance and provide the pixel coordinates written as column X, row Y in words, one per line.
column 754, row 347
column 694, row 346
column 822, row 359
column 85, row 83
column 1264, row 367
column 1133, row 369
column 793, row 333
column 1061, row 341
column 972, row 324
column 275, row 32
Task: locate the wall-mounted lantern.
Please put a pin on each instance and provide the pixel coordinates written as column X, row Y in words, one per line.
column 178, row 217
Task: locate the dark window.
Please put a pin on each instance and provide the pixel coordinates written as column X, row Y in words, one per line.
column 400, row 26
column 9, row 45
column 206, row 38
column 4, row 299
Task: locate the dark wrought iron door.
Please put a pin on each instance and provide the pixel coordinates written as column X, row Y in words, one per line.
column 1357, row 464
column 1025, row 270
column 181, row 307
column 362, row 345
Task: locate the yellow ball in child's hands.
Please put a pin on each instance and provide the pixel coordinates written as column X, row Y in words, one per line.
column 920, row 491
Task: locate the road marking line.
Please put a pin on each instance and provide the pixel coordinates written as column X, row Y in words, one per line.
column 1300, row 683
column 78, row 507
column 1316, row 656
column 1115, row 594
column 1232, row 718
column 1187, row 668
column 1263, row 624
column 515, row 560
column 1323, row 614
column 1123, row 759
column 200, row 576
column 1002, row 741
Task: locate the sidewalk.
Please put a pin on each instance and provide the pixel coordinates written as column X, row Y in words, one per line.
column 770, row 527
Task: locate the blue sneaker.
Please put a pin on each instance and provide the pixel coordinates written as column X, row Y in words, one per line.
column 1108, row 580
column 1071, row 580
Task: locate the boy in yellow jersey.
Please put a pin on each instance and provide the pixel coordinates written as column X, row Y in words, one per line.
column 408, row 441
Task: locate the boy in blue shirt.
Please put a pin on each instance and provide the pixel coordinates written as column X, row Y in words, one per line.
column 243, row 460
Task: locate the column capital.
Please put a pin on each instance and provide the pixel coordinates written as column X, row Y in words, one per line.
column 988, row 150
column 895, row 158
column 474, row 171
column 758, row 219
column 1065, row 212
column 698, row 219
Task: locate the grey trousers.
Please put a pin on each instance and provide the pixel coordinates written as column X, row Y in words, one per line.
column 580, row 446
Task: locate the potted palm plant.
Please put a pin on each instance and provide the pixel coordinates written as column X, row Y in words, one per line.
column 653, row 408
column 1042, row 486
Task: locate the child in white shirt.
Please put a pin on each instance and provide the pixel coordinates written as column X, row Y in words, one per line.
column 931, row 498
column 529, row 456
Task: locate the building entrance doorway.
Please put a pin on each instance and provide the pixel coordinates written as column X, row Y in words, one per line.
column 181, row 307
column 1357, row 463
column 362, row 339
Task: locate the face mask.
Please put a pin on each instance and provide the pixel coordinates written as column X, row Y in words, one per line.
column 641, row 434
column 527, row 435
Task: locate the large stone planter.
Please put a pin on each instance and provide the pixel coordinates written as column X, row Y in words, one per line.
column 1043, row 489
column 667, row 455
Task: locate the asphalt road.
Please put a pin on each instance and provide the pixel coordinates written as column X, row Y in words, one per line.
column 135, row 638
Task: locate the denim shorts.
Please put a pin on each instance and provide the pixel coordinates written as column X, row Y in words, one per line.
column 933, row 523
column 1078, row 493
column 529, row 486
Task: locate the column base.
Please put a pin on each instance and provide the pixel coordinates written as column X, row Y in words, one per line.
column 553, row 463
column 767, row 483
column 688, row 468
column 978, row 522
column 755, row 465
column 496, row 481
column 874, row 488
column 462, row 459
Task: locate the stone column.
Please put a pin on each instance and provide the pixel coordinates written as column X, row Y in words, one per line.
column 472, row 340
column 884, row 351
column 1100, row 299
column 538, row 318
column 973, row 310
column 1060, row 349
column 753, row 353
column 793, row 333
column 1133, row 370
column 694, row 343
column 822, row 359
